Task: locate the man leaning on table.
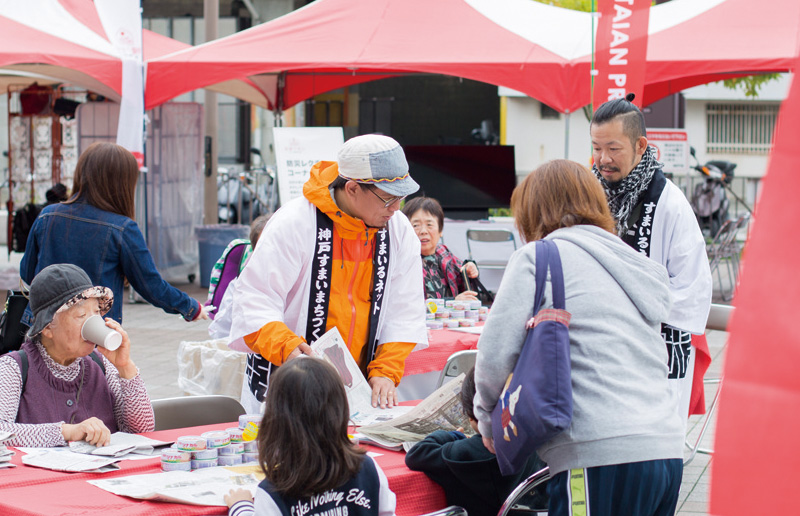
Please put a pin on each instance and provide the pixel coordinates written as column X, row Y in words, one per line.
column 654, row 217
column 340, row 256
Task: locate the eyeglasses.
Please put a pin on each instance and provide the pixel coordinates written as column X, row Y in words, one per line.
column 386, row 203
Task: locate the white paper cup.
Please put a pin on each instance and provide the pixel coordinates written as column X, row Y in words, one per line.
column 95, row 330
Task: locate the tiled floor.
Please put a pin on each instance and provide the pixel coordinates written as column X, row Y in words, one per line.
column 155, row 337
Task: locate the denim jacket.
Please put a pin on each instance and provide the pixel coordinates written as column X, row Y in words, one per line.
column 109, row 247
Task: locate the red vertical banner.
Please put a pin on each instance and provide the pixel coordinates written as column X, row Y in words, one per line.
column 620, row 50
column 757, row 450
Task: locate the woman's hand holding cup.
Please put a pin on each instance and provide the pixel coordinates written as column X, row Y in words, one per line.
column 120, row 355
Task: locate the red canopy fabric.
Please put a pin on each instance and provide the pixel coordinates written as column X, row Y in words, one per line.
column 64, row 41
column 331, row 43
column 756, row 445
column 542, row 51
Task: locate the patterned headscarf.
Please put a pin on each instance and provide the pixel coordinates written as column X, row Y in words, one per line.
column 623, row 196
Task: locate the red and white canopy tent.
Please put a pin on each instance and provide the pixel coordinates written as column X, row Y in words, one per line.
column 64, row 41
column 542, row 51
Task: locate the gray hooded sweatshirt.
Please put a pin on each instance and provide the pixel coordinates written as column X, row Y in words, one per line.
column 623, row 408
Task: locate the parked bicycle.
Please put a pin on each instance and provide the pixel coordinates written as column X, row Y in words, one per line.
column 244, row 195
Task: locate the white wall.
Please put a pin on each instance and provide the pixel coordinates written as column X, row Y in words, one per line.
column 747, row 165
column 538, row 140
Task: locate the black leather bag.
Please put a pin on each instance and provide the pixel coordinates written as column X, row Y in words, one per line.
column 12, row 330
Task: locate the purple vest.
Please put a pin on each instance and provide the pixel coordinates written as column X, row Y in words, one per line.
column 47, row 399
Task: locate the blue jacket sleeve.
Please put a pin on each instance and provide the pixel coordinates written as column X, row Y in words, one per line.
column 27, row 267
column 140, row 269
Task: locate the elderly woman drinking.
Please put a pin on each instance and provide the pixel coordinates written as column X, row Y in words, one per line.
column 57, row 388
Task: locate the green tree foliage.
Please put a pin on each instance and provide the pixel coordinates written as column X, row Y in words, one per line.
column 750, row 84
column 575, row 5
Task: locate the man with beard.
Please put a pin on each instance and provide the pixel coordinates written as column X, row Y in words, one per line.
column 339, row 256
column 654, row 217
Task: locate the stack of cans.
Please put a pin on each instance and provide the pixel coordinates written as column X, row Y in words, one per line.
column 249, row 425
column 173, row 459
column 453, row 314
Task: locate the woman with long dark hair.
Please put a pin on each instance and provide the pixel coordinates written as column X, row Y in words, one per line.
column 94, row 229
column 305, row 452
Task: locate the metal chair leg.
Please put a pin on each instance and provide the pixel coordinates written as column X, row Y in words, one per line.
column 694, row 450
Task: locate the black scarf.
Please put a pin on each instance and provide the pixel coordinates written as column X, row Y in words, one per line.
column 624, row 195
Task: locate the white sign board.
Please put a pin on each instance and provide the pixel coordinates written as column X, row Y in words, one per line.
column 297, row 149
column 672, row 149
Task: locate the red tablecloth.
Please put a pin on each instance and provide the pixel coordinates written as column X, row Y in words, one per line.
column 441, row 344
column 34, row 491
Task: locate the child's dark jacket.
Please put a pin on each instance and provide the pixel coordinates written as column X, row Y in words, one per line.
column 467, row 471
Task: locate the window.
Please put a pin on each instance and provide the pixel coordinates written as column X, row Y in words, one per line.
column 548, row 113
column 740, row 128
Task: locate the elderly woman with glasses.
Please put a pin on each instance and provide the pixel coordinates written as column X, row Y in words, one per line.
column 441, row 270
column 57, row 388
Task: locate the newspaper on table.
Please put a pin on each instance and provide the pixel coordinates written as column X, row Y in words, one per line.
column 201, row 487
column 332, row 348
column 440, row 411
column 83, row 457
column 5, row 453
column 62, row 459
column 120, row 445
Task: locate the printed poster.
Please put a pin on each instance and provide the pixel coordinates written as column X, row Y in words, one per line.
column 297, row 149
column 672, row 149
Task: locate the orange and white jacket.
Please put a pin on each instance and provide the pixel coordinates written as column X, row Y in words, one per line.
column 270, row 306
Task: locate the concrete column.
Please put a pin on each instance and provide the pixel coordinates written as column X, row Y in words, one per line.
column 211, row 16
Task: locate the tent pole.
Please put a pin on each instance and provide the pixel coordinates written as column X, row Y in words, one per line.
column 566, row 135
column 210, row 212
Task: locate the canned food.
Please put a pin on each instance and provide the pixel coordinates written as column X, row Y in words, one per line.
column 176, row 466
column 191, row 443
column 230, row 460
column 236, row 434
column 217, row 438
column 205, row 463
column 249, row 418
column 232, row 449
column 209, row 453
column 175, row 455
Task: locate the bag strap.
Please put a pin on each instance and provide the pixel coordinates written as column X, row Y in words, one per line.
column 23, row 359
column 97, row 360
column 542, row 255
column 556, row 277
column 547, row 257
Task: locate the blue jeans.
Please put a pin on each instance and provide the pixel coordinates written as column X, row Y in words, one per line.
column 647, row 488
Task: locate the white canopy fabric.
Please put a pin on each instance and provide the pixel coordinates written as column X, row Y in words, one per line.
column 50, row 41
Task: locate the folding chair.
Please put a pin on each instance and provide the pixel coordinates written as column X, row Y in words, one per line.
column 459, row 362
column 523, row 500
column 718, row 319
column 734, row 247
column 185, row 411
column 719, row 250
column 453, row 510
column 500, row 242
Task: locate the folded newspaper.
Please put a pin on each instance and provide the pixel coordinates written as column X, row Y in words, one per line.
column 5, row 453
column 332, row 348
column 62, row 459
column 201, row 487
column 393, row 427
column 439, row 411
column 121, row 444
